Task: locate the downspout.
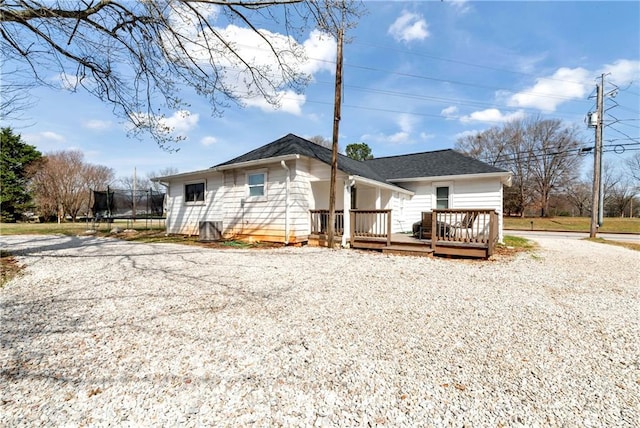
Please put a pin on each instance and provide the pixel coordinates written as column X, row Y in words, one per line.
column 165, row 208
column 286, row 203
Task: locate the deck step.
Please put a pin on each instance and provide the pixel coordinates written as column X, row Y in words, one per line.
column 408, row 250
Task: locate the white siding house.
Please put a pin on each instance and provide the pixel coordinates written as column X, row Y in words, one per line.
column 267, row 194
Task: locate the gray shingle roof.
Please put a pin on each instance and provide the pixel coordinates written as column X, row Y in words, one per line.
column 293, row 145
column 427, row 164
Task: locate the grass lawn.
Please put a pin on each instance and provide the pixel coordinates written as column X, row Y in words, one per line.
column 573, row 224
column 75, row 228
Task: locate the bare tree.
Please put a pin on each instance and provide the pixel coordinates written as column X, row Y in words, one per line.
column 138, row 55
column 578, row 193
column 157, row 187
column 541, row 154
column 618, row 199
column 633, row 167
column 557, row 163
column 321, row 141
column 15, row 99
column 62, row 184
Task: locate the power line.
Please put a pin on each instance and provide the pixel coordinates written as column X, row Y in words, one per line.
column 455, row 82
column 445, row 100
column 470, row 64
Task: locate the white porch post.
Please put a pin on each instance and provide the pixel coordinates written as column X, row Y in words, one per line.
column 346, row 234
column 378, row 199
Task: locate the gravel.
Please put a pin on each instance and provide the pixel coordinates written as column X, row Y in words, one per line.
column 104, row 332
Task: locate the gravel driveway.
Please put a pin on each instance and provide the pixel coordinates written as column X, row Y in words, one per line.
column 106, row 332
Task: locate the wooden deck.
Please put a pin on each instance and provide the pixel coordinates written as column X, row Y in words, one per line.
column 458, row 233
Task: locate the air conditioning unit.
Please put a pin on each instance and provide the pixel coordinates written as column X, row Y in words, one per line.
column 210, row 231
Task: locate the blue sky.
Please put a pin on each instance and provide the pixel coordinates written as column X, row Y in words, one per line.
column 417, row 76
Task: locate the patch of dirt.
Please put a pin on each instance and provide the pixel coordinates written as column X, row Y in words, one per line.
column 503, row 252
column 9, row 267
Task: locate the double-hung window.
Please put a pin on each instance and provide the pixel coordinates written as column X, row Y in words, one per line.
column 193, row 193
column 442, row 197
column 256, row 184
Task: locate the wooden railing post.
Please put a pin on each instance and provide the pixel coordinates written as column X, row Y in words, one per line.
column 493, row 232
column 434, row 229
column 352, row 217
column 388, row 228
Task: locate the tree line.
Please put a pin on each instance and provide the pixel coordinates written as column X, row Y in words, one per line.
column 545, row 157
column 55, row 186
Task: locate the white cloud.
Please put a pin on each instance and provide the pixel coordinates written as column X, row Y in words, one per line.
column 564, row 85
column 464, row 134
column 321, row 53
column 401, row 137
column 208, row 141
column 181, row 121
column 408, row 27
column 491, row 115
column 66, row 81
column 622, row 71
column 287, row 101
column 98, row 125
column 266, row 81
column 44, row 137
column 406, row 123
column 449, row 112
column 47, row 141
column 462, row 6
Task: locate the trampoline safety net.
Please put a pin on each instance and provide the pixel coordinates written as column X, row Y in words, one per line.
column 127, row 204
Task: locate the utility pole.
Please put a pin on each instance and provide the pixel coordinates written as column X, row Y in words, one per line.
column 334, row 152
column 597, row 199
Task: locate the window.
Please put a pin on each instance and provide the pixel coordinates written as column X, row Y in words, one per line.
column 256, row 184
column 442, row 198
column 194, row 192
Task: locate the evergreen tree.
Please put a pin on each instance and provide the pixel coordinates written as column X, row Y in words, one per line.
column 359, row 151
column 16, row 157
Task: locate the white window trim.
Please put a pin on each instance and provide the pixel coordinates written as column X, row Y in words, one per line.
column 204, row 192
column 263, row 197
column 434, row 193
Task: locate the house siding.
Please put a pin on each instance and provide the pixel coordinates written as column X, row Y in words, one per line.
column 227, row 201
column 185, row 218
column 477, row 193
column 413, row 206
column 299, row 202
column 265, row 220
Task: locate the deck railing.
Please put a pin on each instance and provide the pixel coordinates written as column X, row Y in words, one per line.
column 370, row 224
column 320, row 222
column 472, row 226
column 466, row 232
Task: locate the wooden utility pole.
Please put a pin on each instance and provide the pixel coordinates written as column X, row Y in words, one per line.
column 334, row 152
column 597, row 197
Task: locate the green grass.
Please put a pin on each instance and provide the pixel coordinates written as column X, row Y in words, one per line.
column 73, row 229
column 142, row 233
column 573, row 224
column 518, row 242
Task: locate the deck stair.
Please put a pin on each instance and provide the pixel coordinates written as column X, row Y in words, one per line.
column 421, row 250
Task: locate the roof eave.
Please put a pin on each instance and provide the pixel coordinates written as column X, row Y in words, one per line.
column 256, row 162
column 190, row 174
column 505, row 177
column 380, row 184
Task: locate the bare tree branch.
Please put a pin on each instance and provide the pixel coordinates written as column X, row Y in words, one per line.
column 139, row 55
